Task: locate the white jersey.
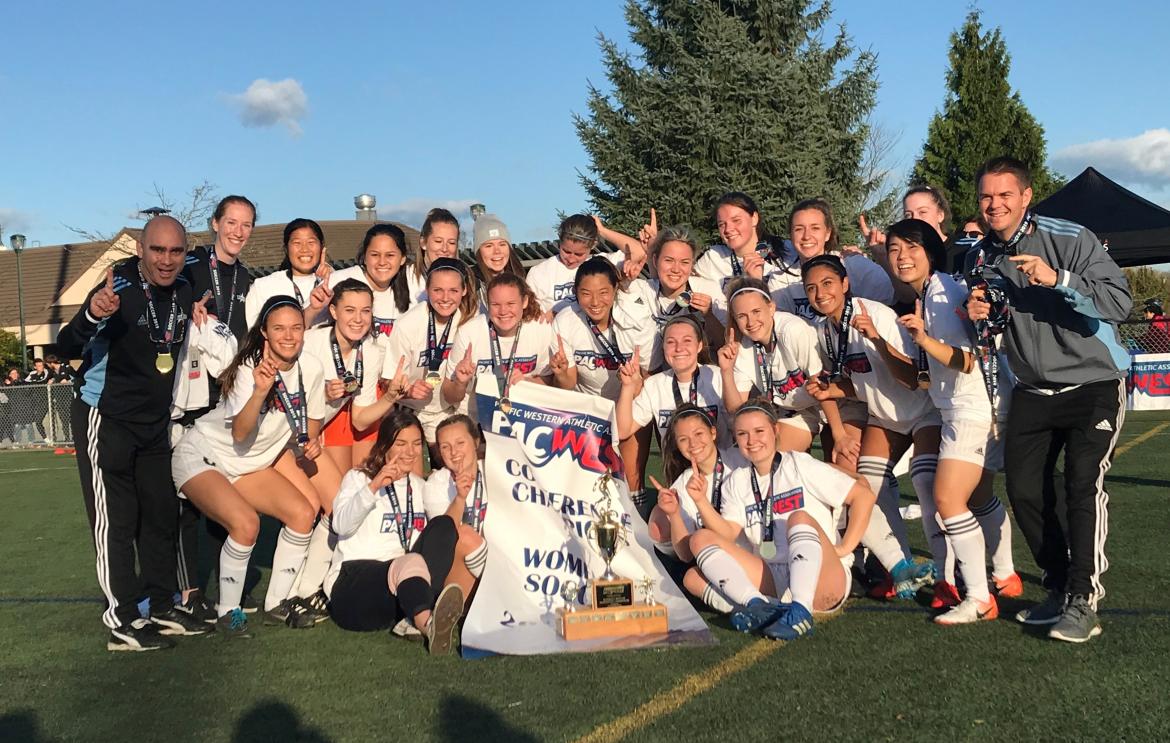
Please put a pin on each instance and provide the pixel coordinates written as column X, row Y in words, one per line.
column 801, row 483
column 717, row 265
column 657, row 402
column 596, row 371
column 957, row 396
column 385, row 310
column 663, row 308
column 553, row 282
column 416, row 286
column 866, row 280
column 409, row 341
column 889, row 401
column 319, row 347
column 793, row 361
column 731, row 460
column 367, row 525
column 275, row 284
column 530, row 359
column 441, row 492
column 273, row 430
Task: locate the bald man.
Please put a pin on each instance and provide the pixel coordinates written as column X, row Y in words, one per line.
column 128, row 333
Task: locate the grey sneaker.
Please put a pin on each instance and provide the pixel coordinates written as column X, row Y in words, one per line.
column 1047, row 611
column 405, row 629
column 444, row 622
column 1078, row 623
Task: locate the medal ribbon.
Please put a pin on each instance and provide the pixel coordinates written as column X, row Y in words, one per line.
column 505, row 381
column 435, row 352
column 296, row 289
column 764, row 367
column 475, row 518
column 339, row 363
column 609, row 347
column 154, row 327
column 692, row 396
column 403, row 521
column 213, row 264
column 838, row 357
column 766, row 515
column 298, row 415
column 716, row 486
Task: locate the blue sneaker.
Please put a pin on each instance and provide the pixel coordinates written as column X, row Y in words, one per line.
column 795, row 623
column 757, row 614
column 909, row 576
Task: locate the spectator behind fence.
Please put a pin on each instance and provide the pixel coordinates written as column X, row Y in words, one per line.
column 1156, row 338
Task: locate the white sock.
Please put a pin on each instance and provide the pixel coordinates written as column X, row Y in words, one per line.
column 885, row 536
column 286, row 563
column 233, row 569
column 724, row 572
column 476, row 559
column 997, row 534
column 317, row 559
column 804, row 563
column 966, row 539
column 716, row 600
column 922, row 470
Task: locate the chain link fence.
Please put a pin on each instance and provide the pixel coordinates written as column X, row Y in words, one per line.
column 1145, row 336
column 35, row 415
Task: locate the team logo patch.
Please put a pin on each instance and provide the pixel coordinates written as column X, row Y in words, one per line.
column 593, row 360
column 382, row 326
column 522, row 364
column 390, row 521
column 564, row 291
column 274, row 403
column 547, row 433
column 794, row 380
column 789, row 501
column 423, row 360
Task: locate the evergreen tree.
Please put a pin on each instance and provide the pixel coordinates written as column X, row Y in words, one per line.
column 727, row 95
column 981, row 118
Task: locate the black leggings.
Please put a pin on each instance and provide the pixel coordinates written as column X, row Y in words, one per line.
column 436, row 546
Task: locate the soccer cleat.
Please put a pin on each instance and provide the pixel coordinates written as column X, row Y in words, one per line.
column 138, row 636
column 1010, row 587
column 198, row 606
column 883, row 590
column 1078, row 623
column 173, row 622
column 249, row 605
column 908, row 576
column 233, row 625
column 756, row 614
column 289, row 612
column 969, row 611
column 405, row 629
column 317, row 606
column 1047, row 611
column 444, row 620
column 945, row 595
column 794, row 623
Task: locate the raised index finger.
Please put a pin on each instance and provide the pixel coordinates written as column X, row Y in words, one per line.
column 863, row 225
column 861, row 307
column 657, row 485
column 561, row 344
column 110, row 279
column 653, row 219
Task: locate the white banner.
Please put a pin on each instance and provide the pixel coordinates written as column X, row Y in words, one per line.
column 543, row 463
column 1149, row 382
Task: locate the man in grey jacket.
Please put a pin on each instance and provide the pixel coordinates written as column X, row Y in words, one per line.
column 1064, row 296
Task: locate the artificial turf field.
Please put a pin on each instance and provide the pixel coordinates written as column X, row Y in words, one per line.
column 875, row 672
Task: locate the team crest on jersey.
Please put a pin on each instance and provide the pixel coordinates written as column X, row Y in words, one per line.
column 564, row 291
column 712, row 412
column 390, row 522
column 382, row 327
column 857, row 363
column 423, row 358
column 547, row 433
column 593, row 360
column 522, row 364
column 274, row 403
column 788, row 501
column 794, row 380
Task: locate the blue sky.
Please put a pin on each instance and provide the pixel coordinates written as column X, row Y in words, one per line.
column 301, row 106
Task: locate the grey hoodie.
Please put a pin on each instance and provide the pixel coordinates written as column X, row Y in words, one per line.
column 1065, row 335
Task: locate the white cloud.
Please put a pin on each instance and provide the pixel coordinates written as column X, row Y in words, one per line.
column 412, row 212
column 14, row 221
column 266, row 103
column 1144, row 159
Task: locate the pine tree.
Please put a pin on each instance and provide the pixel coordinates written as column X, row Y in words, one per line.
column 727, row 95
column 981, row 118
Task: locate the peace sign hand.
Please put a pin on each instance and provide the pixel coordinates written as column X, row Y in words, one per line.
column 105, row 301
column 465, row 369
column 863, row 323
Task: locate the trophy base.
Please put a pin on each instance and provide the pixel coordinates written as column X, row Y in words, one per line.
column 604, row 594
column 613, row 621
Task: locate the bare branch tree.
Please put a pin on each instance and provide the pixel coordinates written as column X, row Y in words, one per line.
column 880, row 190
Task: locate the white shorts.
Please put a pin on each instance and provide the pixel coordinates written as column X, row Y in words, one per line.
column 971, row 441
column 909, row 428
column 189, row 458
column 808, row 420
column 779, row 571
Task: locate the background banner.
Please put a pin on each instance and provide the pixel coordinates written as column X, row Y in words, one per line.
column 1149, row 382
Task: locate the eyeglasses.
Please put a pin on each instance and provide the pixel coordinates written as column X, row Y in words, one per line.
column 973, row 234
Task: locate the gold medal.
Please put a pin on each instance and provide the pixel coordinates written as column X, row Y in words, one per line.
column 351, row 384
column 164, row 362
column 434, row 379
column 768, row 551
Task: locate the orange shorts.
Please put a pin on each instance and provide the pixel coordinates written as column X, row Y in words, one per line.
column 340, row 430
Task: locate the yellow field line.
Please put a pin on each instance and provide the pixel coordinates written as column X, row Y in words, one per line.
column 1141, row 439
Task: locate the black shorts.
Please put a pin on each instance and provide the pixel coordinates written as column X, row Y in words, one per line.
column 361, row 600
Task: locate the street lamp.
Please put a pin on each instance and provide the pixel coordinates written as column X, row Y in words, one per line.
column 18, row 248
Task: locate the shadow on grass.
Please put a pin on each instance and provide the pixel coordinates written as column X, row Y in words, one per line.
column 462, row 719
column 271, row 721
column 1141, row 481
column 22, row 725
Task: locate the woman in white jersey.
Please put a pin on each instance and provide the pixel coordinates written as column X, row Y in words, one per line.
column 270, row 412
column 774, row 356
column 438, row 238
column 393, row 557
column 509, row 342
column 458, row 490
column 787, row 506
column 965, row 389
column 746, row 251
column 675, row 290
column 855, row 339
column 301, row 274
column 382, row 265
column 428, row 331
column 553, row 279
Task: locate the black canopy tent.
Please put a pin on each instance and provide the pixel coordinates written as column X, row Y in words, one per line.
column 1136, row 230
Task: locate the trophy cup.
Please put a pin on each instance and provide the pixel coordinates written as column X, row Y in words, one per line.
column 609, row 589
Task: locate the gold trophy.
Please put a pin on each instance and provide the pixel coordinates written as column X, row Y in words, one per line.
column 611, row 611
